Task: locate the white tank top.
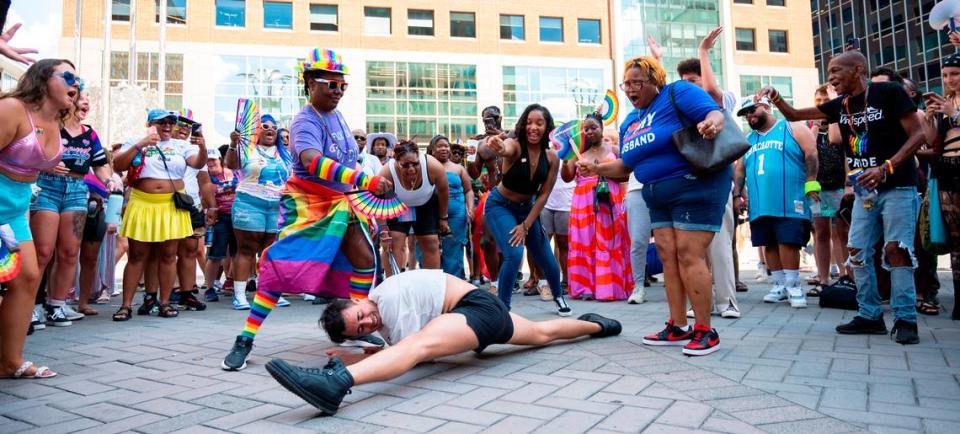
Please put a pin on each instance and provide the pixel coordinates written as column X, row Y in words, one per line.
column 416, row 197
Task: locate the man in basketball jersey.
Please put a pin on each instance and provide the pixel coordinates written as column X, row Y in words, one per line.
column 780, row 174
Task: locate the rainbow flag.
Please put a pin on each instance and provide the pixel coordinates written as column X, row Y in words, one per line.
column 567, row 140
column 10, row 262
column 609, row 107
column 306, row 258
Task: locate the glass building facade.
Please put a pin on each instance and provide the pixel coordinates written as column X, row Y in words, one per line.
column 270, row 81
column 678, row 25
column 891, row 33
column 569, row 93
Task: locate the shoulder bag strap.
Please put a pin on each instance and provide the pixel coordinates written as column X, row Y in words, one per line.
column 673, row 101
column 163, row 159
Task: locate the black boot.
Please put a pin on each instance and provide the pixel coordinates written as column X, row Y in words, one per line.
column 322, row 388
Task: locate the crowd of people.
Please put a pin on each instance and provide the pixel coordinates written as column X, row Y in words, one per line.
column 271, row 215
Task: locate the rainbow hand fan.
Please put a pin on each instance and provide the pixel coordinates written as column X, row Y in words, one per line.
column 609, row 107
column 248, row 125
column 9, row 254
column 372, row 206
column 567, row 140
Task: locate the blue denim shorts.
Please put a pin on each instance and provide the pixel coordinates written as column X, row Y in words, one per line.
column 224, row 241
column 60, row 194
column 253, row 214
column 689, row 202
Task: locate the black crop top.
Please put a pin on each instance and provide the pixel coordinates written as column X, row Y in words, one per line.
column 518, row 177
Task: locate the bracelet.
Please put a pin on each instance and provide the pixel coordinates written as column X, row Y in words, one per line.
column 444, row 218
column 778, row 98
column 889, row 165
column 811, row 186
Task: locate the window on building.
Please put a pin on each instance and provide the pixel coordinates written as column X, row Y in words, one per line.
column 746, row 40
column 176, row 12
column 776, row 2
column 816, row 28
column 7, row 82
column 745, row 2
column 420, row 99
column 463, row 24
column 588, row 31
column 751, row 84
column 778, row 41
column 277, row 15
column 323, row 17
column 121, row 10
column 511, row 27
column 847, row 14
column 231, row 13
column 570, row 93
column 551, row 29
column 420, row 22
column 270, row 81
column 148, row 72
column 376, row 21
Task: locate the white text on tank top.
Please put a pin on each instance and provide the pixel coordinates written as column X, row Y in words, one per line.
column 418, row 196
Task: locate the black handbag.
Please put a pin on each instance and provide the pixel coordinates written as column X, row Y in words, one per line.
column 708, row 155
column 181, row 200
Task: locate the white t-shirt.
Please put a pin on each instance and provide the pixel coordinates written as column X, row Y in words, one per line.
column 562, row 195
column 192, row 186
column 176, row 153
column 408, row 301
column 370, row 165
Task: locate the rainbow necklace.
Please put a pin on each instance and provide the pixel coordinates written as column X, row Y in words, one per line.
column 39, row 131
column 858, row 140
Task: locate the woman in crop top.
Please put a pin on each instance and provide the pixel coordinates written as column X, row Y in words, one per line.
column 58, row 213
column 151, row 222
column 513, row 208
column 30, row 118
column 420, row 182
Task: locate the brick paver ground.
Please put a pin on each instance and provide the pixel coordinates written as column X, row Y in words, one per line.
column 779, row 370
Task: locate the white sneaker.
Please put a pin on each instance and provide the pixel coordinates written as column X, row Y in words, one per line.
column 797, row 298
column 58, row 318
column 761, row 272
column 730, row 312
column 282, row 302
column 691, row 314
column 37, row 317
column 309, row 297
column 639, row 296
column 544, row 290
column 240, row 301
column 71, row 314
column 777, row 294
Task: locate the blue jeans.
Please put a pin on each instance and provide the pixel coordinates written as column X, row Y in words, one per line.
column 502, row 215
column 452, row 245
column 894, row 217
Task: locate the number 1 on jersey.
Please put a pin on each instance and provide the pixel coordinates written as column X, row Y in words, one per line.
column 760, row 165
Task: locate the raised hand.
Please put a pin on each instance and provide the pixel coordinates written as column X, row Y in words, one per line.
column 656, row 50
column 711, row 39
column 14, row 53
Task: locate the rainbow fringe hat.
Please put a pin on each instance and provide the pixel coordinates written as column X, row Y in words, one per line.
column 324, row 60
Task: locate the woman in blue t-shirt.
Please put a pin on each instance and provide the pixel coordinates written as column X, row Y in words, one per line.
column 685, row 209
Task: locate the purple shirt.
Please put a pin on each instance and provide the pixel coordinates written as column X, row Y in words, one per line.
column 329, row 135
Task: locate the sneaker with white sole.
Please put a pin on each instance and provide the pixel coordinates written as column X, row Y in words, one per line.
column 638, row 296
column 797, row 298
column 545, row 293
column 731, row 311
column 58, row 318
column 309, row 297
column 761, row 272
column 691, row 314
column 777, row 294
column 37, row 317
column 282, row 302
column 71, row 314
column 240, row 301
column 562, row 308
column 366, row 341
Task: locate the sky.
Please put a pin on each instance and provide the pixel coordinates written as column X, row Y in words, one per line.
column 41, row 21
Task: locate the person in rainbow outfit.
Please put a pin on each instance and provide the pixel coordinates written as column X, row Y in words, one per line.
column 323, row 247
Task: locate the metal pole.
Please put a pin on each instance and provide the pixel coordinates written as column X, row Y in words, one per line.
column 105, row 71
column 76, row 32
column 162, row 56
column 132, row 59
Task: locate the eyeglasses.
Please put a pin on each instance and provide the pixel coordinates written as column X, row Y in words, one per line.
column 268, row 127
column 410, row 165
column 633, row 84
column 72, row 80
column 333, row 84
column 360, row 138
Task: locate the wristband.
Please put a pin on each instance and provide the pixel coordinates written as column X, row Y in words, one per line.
column 811, row 186
column 889, row 165
column 374, row 183
column 778, row 98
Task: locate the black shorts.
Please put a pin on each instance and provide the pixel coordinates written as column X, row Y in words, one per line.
column 487, row 316
column 197, row 218
column 95, row 227
column 773, row 231
column 426, row 219
column 224, row 241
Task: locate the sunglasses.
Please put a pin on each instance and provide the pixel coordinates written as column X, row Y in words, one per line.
column 410, row 165
column 333, row 84
column 268, row 127
column 360, row 138
column 72, row 80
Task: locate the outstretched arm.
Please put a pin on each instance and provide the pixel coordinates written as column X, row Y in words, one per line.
column 710, row 84
column 328, row 169
column 789, row 112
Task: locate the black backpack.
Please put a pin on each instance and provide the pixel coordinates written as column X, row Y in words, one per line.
column 839, row 297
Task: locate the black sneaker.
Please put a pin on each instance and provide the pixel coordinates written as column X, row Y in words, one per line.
column 188, row 301
column 863, row 326
column 562, row 308
column 149, row 304
column 704, row 342
column 905, row 331
column 670, row 335
column 608, row 327
column 237, row 358
column 322, row 388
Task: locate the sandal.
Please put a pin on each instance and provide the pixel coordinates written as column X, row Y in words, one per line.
column 815, row 291
column 88, row 311
column 123, row 314
column 168, row 311
column 40, row 373
column 928, row 307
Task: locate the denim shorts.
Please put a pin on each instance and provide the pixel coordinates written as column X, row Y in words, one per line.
column 224, row 241
column 253, row 214
column 689, row 202
column 60, row 194
column 829, row 203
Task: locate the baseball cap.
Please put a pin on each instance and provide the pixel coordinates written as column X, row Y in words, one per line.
column 748, row 103
column 156, row 114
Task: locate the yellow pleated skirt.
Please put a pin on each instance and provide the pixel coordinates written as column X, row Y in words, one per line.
column 152, row 218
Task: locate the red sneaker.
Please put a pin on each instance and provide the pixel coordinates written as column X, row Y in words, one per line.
column 671, row 335
column 705, row 341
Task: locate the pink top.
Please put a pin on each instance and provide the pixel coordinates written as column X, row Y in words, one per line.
column 25, row 157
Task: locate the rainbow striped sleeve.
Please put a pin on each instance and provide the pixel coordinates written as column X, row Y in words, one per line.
column 329, row 169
